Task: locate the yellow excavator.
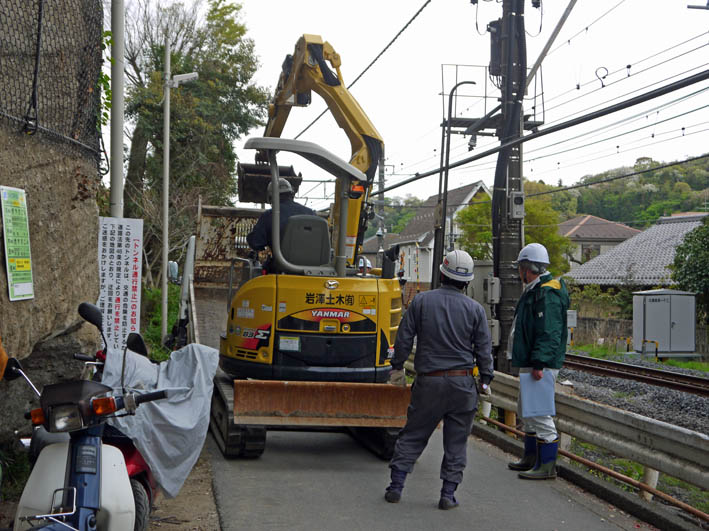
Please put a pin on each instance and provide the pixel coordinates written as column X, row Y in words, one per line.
column 310, row 345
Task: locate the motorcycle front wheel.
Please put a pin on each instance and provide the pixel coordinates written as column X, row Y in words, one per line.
column 142, row 506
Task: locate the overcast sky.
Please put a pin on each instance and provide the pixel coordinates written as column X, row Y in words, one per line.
column 660, row 40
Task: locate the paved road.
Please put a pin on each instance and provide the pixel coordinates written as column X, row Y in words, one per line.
column 326, row 481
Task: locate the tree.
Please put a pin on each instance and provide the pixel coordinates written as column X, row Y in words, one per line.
column 475, row 222
column 207, row 115
column 541, row 222
column 690, row 268
column 397, row 212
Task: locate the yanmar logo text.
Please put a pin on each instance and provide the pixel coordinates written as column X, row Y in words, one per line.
column 334, row 314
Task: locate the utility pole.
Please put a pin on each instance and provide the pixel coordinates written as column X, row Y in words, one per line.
column 165, row 185
column 117, row 105
column 508, row 198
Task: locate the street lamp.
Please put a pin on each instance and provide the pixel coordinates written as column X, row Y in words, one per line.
column 168, row 84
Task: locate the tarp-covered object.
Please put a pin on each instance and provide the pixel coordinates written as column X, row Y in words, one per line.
column 168, row 433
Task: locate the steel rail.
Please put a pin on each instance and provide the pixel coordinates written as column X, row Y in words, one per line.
column 680, row 382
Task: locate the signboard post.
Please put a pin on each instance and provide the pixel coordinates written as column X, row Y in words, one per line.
column 120, row 259
column 16, row 231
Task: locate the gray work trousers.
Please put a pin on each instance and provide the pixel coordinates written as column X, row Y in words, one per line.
column 452, row 399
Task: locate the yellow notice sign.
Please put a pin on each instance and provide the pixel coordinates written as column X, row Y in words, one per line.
column 16, row 233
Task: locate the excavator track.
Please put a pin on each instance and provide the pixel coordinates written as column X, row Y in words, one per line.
column 234, row 440
column 379, row 441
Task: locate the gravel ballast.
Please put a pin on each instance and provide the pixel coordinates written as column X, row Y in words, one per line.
column 674, row 407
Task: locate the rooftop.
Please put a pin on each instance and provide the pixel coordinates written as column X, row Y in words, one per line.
column 640, row 260
column 594, row 228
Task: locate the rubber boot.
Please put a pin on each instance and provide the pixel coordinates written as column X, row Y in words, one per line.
column 448, row 500
column 529, row 460
column 546, row 464
column 393, row 492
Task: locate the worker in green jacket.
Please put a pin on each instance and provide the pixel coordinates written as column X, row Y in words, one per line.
column 538, row 345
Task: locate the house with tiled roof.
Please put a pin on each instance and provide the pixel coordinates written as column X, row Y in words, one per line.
column 642, row 260
column 593, row 236
column 416, row 239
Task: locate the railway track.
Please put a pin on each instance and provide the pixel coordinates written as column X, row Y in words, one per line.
column 680, row 382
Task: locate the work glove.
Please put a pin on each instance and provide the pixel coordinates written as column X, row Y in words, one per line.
column 483, row 389
column 397, row 377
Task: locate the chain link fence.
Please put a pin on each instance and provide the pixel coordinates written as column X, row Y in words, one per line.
column 50, row 61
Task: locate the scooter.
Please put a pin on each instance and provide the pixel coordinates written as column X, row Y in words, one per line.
column 83, row 483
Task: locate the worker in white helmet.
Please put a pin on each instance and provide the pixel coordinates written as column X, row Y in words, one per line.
column 538, row 345
column 452, row 338
column 364, row 266
column 260, row 236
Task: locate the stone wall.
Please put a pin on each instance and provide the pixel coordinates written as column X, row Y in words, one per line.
column 63, row 220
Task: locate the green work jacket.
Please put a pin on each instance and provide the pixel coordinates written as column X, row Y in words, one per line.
column 540, row 325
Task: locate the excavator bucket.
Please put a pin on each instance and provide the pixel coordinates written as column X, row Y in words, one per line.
column 253, row 181
column 291, row 403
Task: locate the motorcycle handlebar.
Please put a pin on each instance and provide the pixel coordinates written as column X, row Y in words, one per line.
column 149, row 397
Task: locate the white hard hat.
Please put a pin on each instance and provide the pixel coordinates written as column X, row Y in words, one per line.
column 534, row 252
column 458, row 265
column 363, row 261
column 283, row 187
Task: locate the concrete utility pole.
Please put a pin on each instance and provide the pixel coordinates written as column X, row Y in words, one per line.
column 117, row 89
column 165, row 185
column 508, row 198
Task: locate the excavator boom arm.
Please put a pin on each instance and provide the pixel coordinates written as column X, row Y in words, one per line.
column 305, row 71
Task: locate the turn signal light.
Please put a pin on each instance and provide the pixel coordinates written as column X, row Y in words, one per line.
column 104, row 406
column 37, row 416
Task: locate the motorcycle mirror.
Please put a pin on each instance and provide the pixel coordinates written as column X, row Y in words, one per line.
column 136, row 343
column 92, row 314
column 13, row 370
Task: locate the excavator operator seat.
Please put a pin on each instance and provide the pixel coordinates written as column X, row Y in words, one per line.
column 306, row 241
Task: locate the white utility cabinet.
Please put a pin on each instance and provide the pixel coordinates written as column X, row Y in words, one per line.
column 667, row 316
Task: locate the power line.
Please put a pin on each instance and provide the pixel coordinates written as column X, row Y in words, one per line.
column 617, row 177
column 570, row 123
column 625, row 67
column 604, row 155
column 462, row 146
column 616, row 136
column 605, row 85
column 585, row 29
column 370, row 64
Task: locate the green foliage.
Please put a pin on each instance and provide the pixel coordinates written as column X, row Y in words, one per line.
column 397, row 212
column 694, row 365
column 14, row 471
column 541, row 222
column 640, row 200
column 104, row 84
column 698, row 498
column 602, row 302
column 206, row 115
column 596, row 351
column 541, row 226
column 152, row 329
column 691, row 267
column 475, row 222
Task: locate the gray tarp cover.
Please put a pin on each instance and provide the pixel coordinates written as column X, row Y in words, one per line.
column 169, row 433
